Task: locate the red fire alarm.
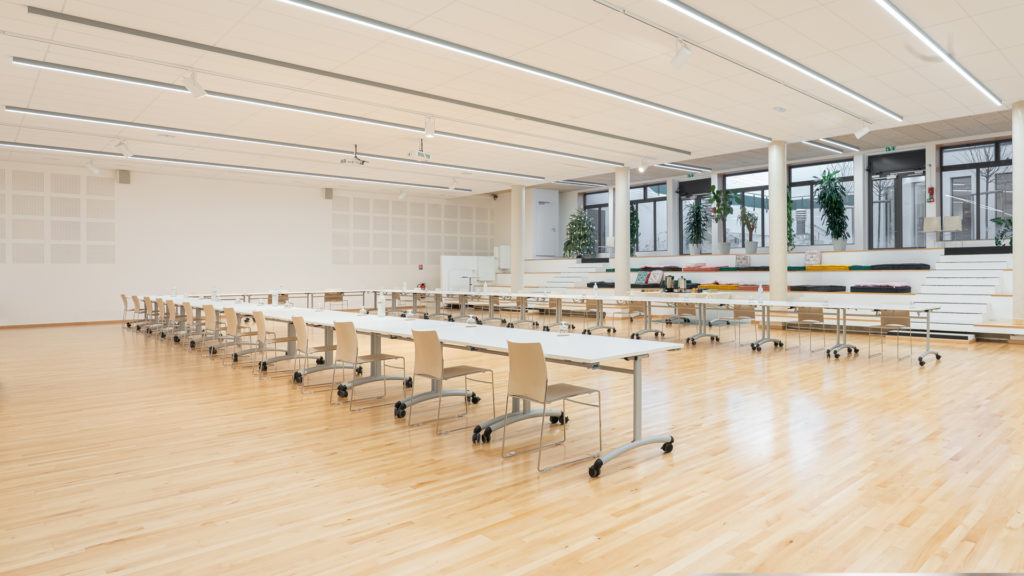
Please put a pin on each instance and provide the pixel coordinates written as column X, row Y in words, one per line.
column 931, row 193
column 421, row 266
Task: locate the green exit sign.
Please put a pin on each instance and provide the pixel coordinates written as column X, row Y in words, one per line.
column 689, row 175
column 890, row 148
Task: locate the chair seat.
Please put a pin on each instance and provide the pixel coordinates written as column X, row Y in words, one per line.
column 377, row 357
column 322, row 348
column 283, row 339
column 462, row 370
column 562, row 391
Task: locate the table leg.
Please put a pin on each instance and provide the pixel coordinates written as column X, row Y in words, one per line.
column 665, row 440
column 702, row 325
column 841, row 342
column 766, row 330
column 463, row 309
column 647, row 329
column 492, row 304
column 599, row 320
column 522, row 303
column 927, row 340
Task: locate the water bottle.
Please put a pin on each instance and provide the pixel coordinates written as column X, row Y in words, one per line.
column 485, row 285
column 760, row 292
column 595, row 289
column 563, row 329
column 362, row 310
column 380, row 305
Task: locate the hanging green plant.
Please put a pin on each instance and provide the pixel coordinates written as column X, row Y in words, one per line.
column 1004, row 236
column 634, row 229
column 579, row 236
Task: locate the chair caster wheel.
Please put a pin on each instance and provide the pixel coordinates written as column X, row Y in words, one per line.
column 856, row 350
column 192, row 344
column 485, row 436
column 667, row 447
column 553, row 419
column 297, row 377
column 836, row 354
column 509, row 326
column 450, row 319
column 359, row 370
column 586, row 332
column 718, row 338
column 399, row 410
column 263, row 366
column 938, row 356
column 614, row 331
column 546, row 329
column 163, row 335
column 234, row 357
column 753, row 347
column 595, row 468
column 778, row 344
column 572, row 326
column 320, row 361
column 474, row 398
column 177, row 339
column 342, row 391
column 758, row 348
column 827, row 355
column 921, row 362
column 213, row 351
column 408, row 382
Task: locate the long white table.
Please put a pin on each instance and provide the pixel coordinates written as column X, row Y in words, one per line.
column 592, row 352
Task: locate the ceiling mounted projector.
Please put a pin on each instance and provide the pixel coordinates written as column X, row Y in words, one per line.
column 419, row 155
column 355, row 159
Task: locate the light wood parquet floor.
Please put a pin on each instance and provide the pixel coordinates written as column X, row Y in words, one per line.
column 120, row 453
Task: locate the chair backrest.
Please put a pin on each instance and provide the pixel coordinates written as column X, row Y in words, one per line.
column 231, row 319
column 591, row 303
column 171, row 310
column 301, row 333
column 429, row 355
column 895, row 318
column 148, row 306
column 743, row 312
column 135, row 300
column 261, row 325
column 348, row 342
column 160, row 310
column 688, row 308
column 527, row 371
column 124, row 302
column 637, row 307
column 810, row 315
column 209, row 317
column 189, row 315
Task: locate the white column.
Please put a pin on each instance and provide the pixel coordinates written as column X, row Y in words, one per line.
column 517, row 233
column 672, row 216
column 777, row 248
column 621, row 219
column 929, row 182
column 1018, row 209
column 716, row 230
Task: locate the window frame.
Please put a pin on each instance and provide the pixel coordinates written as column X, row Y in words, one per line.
column 977, row 167
column 655, row 199
column 813, row 206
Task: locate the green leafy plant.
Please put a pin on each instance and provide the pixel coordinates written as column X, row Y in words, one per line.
column 579, row 236
column 721, row 203
column 748, row 218
column 634, row 229
column 830, row 195
column 1004, row 236
column 790, row 235
column 697, row 223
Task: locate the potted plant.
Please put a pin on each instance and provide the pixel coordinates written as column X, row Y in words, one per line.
column 830, row 195
column 749, row 220
column 579, row 236
column 721, row 208
column 696, row 225
column 1004, row 237
column 790, row 235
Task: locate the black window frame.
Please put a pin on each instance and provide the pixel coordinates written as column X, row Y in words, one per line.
column 810, row 184
column 653, row 198
column 977, row 167
column 599, row 225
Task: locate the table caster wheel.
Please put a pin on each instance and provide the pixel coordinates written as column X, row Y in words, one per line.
column 408, row 382
column 358, row 371
column 234, row 357
column 177, row 339
column 595, row 468
column 474, row 398
column 546, row 329
column 758, row 348
column 856, row 350
column 342, row 391
column 212, row 350
column 921, row 362
column 320, row 361
column 485, row 436
column 476, row 437
column 192, row 344
column 297, row 377
column 667, row 446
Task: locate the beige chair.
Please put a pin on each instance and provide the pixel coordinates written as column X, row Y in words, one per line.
column 528, row 380
column 138, row 315
column 304, row 353
column 742, row 315
column 234, row 336
column 173, row 319
column 213, row 331
column 348, row 359
column 266, row 340
column 811, row 318
column 890, row 321
column 125, row 323
column 430, row 364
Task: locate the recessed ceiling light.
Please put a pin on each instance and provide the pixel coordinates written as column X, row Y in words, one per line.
column 494, row 59
column 779, row 109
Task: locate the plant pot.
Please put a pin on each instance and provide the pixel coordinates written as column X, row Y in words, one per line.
column 839, row 244
column 694, row 249
column 724, row 249
column 750, row 248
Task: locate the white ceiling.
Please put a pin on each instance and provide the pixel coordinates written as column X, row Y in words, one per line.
column 853, row 42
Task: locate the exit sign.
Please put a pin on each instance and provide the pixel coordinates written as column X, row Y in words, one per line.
column 689, row 175
column 890, row 148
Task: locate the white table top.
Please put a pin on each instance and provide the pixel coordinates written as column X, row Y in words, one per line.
column 577, row 348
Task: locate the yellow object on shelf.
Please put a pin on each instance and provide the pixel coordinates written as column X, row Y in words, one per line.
column 719, row 287
column 828, row 267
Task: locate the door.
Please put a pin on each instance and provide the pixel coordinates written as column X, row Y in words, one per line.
column 897, row 211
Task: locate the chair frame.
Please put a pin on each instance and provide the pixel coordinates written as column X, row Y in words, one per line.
column 354, row 362
column 891, row 321
column 429, row 363
column 809, row 317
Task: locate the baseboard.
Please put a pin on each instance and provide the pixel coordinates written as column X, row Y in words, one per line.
column 59, row 324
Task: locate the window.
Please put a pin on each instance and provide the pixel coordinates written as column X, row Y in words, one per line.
column 750, row 191
column 977, row 186
column 596, row 206
column 692, row 191
column 807, row 226
column 650, row 202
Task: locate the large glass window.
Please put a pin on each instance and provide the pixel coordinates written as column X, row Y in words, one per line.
column 651, row 207
column 976, row 187
column 807, row 224
column 596, row 206
column 750, row 191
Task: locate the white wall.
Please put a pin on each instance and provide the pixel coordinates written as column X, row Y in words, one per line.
column 544, row 214
column 70, row 242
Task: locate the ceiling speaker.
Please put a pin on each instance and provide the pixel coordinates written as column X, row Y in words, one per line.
column 327, row 193
column 124, row 177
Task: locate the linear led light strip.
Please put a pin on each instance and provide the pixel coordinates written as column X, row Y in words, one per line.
column 751, row 43
column 684, row 167
column 927, row 41
column 823, row 147
column 840, row 144
column 580, row 183
column 238, row 167
column 312, row 111
column 487, row 57
column 155, row 128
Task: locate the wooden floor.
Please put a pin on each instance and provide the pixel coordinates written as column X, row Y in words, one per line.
column 120, row 453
